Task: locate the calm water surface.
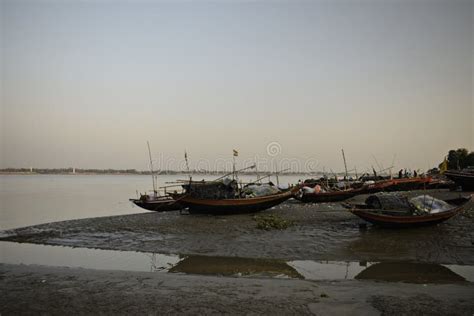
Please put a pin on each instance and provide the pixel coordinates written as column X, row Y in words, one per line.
column 15, row 253
column 36, row 199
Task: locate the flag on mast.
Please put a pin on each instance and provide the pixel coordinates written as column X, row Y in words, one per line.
column 443, row 166
column 236, row 153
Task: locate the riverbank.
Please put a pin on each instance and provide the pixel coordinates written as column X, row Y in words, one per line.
column 319, row 232
column 38, row 289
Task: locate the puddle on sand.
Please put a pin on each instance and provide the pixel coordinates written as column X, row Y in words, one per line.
column 21, row 253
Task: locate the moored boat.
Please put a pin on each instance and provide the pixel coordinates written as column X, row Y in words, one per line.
column 331, row 196
column 405, row 214
column 157, row 203
column 464, row 178
column 231, row 205
column 225, row 197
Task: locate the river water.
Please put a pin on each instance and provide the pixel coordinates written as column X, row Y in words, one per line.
column 36, row 199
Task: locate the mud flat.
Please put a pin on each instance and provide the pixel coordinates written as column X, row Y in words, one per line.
column 319, row 232
column 39, row 290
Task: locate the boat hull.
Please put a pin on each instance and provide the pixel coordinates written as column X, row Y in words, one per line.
column 465, row 180
column 158, row 205
column 391, row 221
column 231, row 206
column 329, row 196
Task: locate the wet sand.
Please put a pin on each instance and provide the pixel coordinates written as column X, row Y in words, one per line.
column 46, row 290
column 320, row 232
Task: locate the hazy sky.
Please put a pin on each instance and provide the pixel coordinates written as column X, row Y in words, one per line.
column 87, row 83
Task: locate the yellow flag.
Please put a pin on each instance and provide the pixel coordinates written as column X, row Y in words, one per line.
column 444, row 166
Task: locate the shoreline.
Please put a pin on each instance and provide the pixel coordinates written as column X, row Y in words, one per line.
column 325, row 232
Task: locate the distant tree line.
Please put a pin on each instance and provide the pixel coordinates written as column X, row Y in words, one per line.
column 111, row 171
column 459, row 159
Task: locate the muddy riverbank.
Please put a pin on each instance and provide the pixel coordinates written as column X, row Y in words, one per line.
column 319, row 232
column 38, row 290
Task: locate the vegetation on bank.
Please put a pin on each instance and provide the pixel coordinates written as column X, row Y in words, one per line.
column 271, row 221
column 459, row 159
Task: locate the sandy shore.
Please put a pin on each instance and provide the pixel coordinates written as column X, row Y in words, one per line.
column 47, row 290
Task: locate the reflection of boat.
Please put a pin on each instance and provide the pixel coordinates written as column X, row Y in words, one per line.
column 227, row 266
column 464, row 178
column 409, row 272
column 405, row 217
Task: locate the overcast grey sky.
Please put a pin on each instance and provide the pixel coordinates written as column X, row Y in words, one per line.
column 87, row 83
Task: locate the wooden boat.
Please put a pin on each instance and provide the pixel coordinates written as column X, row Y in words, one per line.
column 408, row 184
column 465, row 179
column 232, row 206
column 401, row 218
column 157, row 204
column 332, row 196
column 389, row 185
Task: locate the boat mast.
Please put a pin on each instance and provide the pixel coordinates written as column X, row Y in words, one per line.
column 151, row 168
column 345, row 164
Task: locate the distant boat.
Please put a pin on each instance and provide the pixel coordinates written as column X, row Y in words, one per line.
column 399, row 217
column 464, row 178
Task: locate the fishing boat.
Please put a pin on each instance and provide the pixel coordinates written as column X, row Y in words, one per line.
column 404, row 214
column 331, row 196
column 222, row 206
column 155, row 201
column 224, row 196
column 464, row 178
column 408, row 184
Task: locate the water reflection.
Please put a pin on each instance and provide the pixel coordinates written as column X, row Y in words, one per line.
column 17, row 253
column 409, row 272
column 232, row 266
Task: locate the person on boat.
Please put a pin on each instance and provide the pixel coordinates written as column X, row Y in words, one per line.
column 415, row 174
column 400, row 174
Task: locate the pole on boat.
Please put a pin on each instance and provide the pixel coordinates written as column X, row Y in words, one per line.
column 151, row 169
column 276, row 176
column 345, row 164
column 250, row 167
column 187, row 166
column 256, row 171
column 235, row 153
